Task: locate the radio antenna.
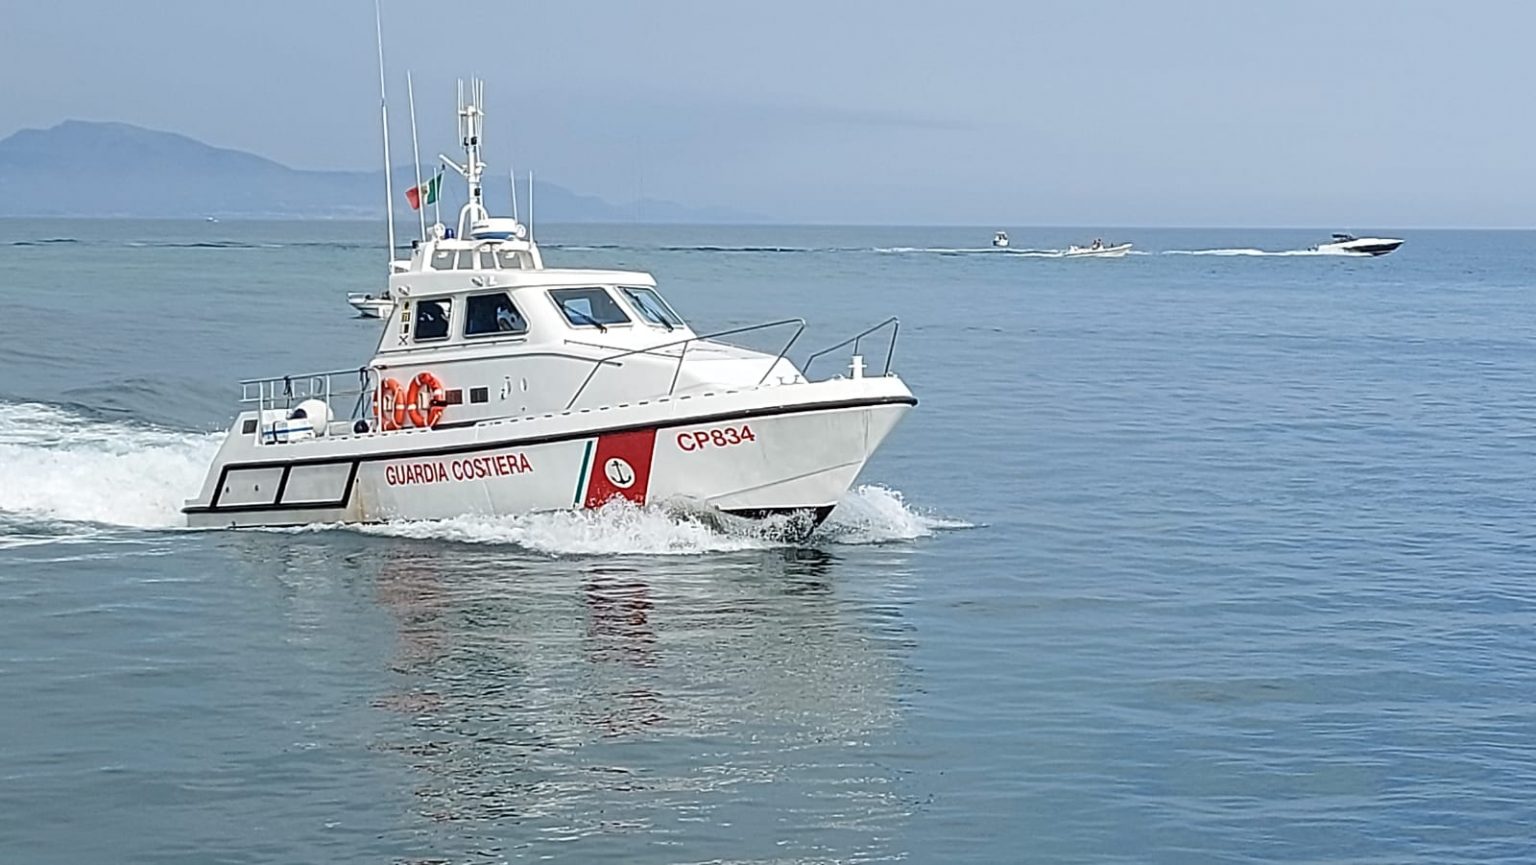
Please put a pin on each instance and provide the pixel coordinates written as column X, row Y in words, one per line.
column 389, row 190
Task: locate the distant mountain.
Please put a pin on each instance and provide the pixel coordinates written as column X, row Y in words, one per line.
column 82, row 168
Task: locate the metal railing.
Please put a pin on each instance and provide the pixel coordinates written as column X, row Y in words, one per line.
column 289, row 390
column 677, row 371
column 893, row 322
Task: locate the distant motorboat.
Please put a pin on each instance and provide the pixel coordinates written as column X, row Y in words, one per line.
column 1350, row 245
column 1000, row 240
column 1097, row 249
column 369, row 306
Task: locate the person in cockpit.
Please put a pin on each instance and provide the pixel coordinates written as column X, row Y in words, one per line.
column 506, row 319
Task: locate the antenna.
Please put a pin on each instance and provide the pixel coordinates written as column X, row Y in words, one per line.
column 421, row 205
column 389, row 189
column 512, row 182
column 530, row 204
column 471, row 128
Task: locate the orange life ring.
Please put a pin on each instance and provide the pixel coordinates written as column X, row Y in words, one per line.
column 428, row 413
column 389, row 404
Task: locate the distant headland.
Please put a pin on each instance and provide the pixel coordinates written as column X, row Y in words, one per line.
column 97, row 169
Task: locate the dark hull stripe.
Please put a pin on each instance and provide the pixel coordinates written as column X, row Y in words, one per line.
column 357, row 461
column 802, row 520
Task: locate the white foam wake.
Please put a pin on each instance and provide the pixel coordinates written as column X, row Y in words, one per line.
column 866, row 515
column 967, row 250
column 58, row 466
column 1284, row 253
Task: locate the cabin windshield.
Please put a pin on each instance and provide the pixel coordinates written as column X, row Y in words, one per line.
column 588, row 307
column 651, row 307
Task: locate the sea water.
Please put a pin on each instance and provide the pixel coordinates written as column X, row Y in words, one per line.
column 1220, row 552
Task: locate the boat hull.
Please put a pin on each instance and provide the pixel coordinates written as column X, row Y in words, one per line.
column 740, row 453
column 1359, row 247
column 368, row 306
column 1118, row 251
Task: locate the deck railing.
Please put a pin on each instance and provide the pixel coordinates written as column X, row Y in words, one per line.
column 893, row 323
column 287, row 391
column 683, row 352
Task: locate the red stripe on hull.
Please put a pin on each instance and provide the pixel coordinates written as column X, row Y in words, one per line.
column 621, row 467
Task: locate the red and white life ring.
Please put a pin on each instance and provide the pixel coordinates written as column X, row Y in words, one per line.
column 389, row 404
column 424, row 404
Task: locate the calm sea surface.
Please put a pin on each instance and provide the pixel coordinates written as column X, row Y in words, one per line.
column 1198, row 556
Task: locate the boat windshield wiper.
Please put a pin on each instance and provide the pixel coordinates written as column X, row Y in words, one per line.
column 648, row 308
column 570, row 310
column 661, row 318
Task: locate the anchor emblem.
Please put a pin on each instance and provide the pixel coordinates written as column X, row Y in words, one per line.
column 620, row 473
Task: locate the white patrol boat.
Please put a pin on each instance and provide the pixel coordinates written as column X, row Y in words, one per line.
column 502, row 387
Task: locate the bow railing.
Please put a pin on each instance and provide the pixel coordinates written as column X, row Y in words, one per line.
column 893, row 323
column 682, row 346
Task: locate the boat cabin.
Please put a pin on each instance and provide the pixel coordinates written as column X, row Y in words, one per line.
column 507, row 337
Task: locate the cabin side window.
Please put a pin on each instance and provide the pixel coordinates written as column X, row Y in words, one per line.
column 492, row 315
column 442, row 259
column 487, row 258
column 651, row 307
column 432, row 319
column 588, row 307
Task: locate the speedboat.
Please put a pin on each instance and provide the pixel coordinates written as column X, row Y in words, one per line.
column 1348, row 244
column 500, row 386
column 368, row 306
column 1097, row 249
column 1000, row 240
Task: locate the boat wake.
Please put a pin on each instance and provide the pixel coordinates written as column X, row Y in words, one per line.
column 70, row 475
column 67, row 473
column 978, row 250
column 1284, row 253
column 823, row 250
column 868, row 514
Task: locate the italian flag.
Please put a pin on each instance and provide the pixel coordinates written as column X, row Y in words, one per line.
column 426, row 193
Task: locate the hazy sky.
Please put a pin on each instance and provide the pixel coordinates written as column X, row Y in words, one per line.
column 1238, row 112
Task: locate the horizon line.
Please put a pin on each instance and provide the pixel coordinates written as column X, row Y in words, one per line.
column 779, row 224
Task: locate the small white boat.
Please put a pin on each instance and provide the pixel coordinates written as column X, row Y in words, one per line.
column 368, row 306
column 1000, row 240
column 1097, row 249
column 502, row 387
column 1348, row 244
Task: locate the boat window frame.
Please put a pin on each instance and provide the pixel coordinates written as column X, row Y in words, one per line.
column 673, row 323
column 416, row 319
column 617, row 304
column 504, row 334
